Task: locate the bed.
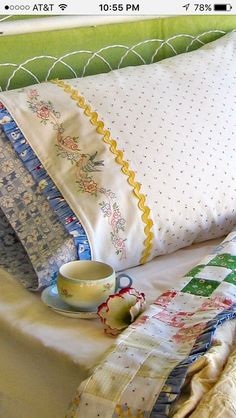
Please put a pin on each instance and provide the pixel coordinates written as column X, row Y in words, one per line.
column 44, row 356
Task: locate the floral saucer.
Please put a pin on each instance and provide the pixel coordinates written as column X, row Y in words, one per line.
column 51, row 298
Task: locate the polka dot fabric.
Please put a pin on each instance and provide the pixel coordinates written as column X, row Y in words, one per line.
column 176, row 123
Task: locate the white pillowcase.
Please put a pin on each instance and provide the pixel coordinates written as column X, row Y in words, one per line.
column 176, row 123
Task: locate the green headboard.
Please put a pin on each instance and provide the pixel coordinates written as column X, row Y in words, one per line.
column 34, row 57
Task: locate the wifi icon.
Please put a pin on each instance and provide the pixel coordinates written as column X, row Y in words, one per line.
column 62, row 6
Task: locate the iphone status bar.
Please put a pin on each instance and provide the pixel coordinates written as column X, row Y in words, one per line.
column 98, row 7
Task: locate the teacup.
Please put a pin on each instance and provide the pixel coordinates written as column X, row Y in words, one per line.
column 84, row 285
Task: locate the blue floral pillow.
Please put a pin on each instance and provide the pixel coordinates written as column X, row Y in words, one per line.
column 43, row 244
column 13, row 256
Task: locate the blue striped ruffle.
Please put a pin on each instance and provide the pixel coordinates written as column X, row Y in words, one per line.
column 54, row 197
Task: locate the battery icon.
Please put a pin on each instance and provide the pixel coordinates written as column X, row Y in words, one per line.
column 222, row 7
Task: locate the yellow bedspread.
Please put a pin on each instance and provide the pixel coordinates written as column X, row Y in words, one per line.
column 210, row 387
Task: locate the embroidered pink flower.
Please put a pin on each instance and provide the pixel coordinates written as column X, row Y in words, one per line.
column 165, row 298
column 119, row 243
column 70, row 143
column 116, row 214
column 90, row 186
column 121, row 309
column 33, row 93
column 43, row 112
column 187, row 335
column 175, row 320
column 216, row 303
column 113, row 223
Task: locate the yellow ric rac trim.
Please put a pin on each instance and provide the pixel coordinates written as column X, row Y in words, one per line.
column 106, row 136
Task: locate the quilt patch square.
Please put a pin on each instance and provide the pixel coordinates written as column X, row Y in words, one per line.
column 213, row 273
column 226, row 288
column 224, row 260
column 227, row 248
column 201, row 287
column 207, row 259
column 231, row 278
column 195, row 270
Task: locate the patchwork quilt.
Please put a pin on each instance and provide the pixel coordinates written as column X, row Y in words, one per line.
column 142, row 374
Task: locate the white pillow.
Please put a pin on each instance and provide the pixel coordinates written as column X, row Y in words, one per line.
column 175, row 123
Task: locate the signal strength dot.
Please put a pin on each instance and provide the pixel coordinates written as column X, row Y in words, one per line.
column 62, row 6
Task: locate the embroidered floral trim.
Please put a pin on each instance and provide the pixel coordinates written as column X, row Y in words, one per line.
column 67, row 146
column 111, row 211
column 106, row 136
column 85, row 165
column 45, row 184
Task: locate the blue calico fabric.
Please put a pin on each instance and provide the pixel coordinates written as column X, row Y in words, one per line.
column 43, row 223
column 13, row 256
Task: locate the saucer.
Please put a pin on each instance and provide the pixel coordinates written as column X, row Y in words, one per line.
column 52, row 299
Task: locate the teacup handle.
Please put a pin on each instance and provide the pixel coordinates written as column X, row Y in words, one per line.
column 118, row 281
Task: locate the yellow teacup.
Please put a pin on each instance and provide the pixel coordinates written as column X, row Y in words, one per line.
column 86, row 284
